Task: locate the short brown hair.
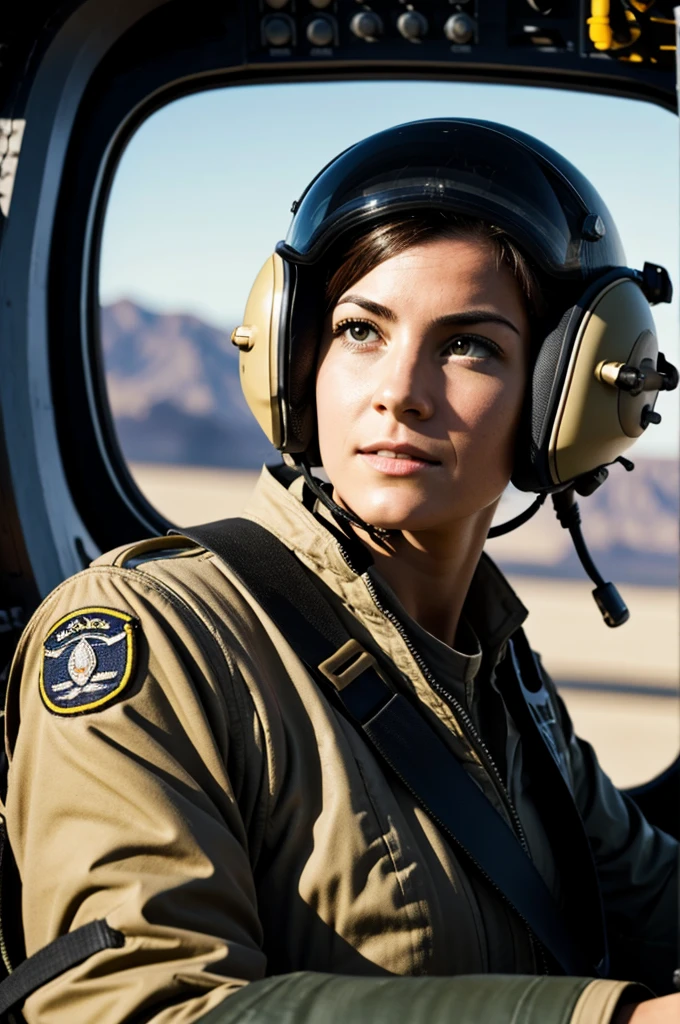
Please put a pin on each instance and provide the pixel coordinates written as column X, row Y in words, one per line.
column 383, row 241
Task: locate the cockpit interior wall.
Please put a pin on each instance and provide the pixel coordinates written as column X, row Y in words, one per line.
column 78, row 77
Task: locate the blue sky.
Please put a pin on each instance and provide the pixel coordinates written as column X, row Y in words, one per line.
column 204, row 188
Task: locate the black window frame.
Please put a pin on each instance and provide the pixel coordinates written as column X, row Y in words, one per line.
column 68, row 491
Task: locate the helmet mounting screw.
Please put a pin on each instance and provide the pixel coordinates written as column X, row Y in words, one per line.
column 636, row 379
column 243, row 337
column 649, row 416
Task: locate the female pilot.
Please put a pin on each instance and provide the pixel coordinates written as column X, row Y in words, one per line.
column 435, row 324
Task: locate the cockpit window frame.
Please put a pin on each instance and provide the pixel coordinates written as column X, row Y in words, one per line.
column 102, row 75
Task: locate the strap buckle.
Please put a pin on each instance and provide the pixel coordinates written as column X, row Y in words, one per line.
column 332, row 668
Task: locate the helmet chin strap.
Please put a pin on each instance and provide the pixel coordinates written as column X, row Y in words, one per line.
column 607, row 598
column 520, row 520
column 377, row 533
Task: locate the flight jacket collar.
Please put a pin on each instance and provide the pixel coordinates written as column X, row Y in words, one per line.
column 491, row 614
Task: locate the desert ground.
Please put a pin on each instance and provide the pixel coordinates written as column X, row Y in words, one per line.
column 621, row 686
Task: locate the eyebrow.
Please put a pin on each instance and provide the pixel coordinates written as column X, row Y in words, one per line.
column 465, row 319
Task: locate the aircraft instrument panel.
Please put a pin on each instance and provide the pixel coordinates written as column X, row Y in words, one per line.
column 556, row 39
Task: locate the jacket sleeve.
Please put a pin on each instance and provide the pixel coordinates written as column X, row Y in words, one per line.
column 637, row 866
column 128, row 812
column 307, row 998
column 140, row 812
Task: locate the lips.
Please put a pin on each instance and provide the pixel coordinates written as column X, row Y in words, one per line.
column 397, row 460
column 407, row 452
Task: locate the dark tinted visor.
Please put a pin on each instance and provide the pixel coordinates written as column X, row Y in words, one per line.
column 464, row 168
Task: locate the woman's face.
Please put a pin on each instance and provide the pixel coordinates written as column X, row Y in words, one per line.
column 420, row 382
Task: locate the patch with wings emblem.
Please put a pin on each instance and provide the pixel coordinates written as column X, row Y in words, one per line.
column 88, row 658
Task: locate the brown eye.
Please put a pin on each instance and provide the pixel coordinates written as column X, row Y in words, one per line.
column 461, row 346
column 359, row 332
column 472, row 347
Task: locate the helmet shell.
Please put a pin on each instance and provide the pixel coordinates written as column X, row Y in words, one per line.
column 572, row 420
column 477, row 168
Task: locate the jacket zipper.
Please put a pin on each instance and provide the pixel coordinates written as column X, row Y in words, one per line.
column 4, row 953
column 477, row 744
column 469, row 726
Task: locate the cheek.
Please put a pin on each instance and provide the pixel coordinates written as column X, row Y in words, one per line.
column 333, row 401
column 340, row 397
column 486, row 409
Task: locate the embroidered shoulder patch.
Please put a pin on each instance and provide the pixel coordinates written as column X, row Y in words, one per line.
column 88, row 657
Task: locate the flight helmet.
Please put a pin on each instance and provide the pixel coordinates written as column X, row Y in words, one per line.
column 596, row 370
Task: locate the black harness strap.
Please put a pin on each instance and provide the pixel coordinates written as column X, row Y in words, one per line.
column 414, row 752
column 54, row 959
column 521, row 683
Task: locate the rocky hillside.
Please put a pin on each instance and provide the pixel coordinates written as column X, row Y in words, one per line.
column 174, row 391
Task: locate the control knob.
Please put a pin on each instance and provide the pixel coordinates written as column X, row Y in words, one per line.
column 320, row 4
column 460, row 28
column 277, row 31
column 412, row 25
column 276, row 5
column 320, row 32
column 366, row 25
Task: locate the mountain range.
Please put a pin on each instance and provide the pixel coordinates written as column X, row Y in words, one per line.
column 173, row 386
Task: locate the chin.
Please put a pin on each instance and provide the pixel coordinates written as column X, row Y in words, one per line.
column 413, row 513
column 400, row 515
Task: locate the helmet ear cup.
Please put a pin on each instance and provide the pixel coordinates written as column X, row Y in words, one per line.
column 306, row 314
column 278, row 343
column 259, row 342
column 574, row 421
column 595, row 422
column 532, row 467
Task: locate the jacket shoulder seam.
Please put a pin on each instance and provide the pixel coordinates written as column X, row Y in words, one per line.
column 208, row 625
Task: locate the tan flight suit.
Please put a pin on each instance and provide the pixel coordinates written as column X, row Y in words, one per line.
column 243, row 837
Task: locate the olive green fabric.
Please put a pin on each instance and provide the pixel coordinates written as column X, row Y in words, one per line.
column 233, row 826
column 495, row 999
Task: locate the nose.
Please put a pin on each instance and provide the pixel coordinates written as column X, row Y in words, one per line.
column 402, row 388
